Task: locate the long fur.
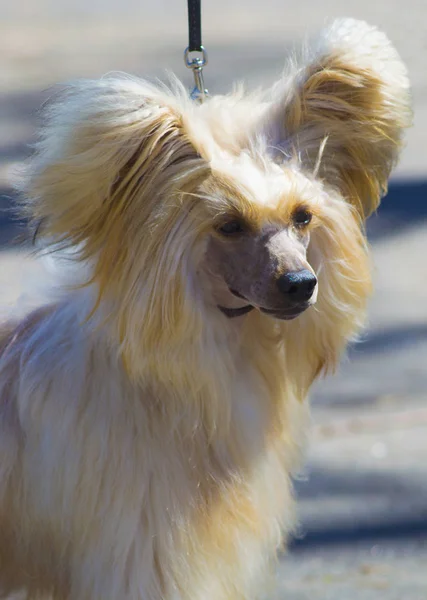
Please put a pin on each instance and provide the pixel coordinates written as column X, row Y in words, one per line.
column 147, row 443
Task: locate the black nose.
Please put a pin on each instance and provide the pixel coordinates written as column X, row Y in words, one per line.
column 298, row 285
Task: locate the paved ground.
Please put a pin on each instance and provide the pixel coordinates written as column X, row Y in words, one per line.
column 363, row 497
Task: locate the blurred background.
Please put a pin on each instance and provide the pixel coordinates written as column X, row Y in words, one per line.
column 363, row 496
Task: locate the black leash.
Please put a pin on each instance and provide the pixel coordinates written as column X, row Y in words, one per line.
column 195, row 45
column 195, row 25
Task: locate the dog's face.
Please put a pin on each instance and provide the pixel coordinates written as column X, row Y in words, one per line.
column 256, row 251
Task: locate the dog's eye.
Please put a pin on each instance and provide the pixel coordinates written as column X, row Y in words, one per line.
column 302, row 217
column 231, row 227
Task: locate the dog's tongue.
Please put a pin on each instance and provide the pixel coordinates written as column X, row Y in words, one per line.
column 235, row 312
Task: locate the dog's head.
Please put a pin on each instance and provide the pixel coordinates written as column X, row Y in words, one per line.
column 234, row 206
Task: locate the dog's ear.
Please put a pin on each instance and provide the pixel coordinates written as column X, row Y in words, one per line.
column 106, row 144
column 342, row 113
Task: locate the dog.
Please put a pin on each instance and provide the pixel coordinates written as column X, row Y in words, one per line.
column 153, row 415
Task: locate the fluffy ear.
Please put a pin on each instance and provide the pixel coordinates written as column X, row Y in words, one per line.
column 108, row 151
column 343, row 112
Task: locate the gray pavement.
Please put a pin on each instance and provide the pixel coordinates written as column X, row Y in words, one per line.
column 363, row 494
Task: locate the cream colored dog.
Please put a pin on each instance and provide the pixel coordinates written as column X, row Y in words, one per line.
column 151, row 419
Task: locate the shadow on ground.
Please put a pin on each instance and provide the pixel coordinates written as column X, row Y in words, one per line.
column 413, row 528
column 404, row 206
column 12, row 229
column 404, row 518
column 393, row 337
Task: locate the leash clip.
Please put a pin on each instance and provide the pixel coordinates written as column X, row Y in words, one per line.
column 197, row 63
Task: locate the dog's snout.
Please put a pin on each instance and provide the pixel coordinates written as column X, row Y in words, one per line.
column 297, row 285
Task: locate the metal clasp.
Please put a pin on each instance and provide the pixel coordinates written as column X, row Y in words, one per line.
column 197, row 63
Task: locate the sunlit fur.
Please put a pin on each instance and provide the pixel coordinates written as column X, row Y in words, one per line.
column 147, row 442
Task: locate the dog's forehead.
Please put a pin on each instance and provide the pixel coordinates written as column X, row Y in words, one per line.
column 263, row 182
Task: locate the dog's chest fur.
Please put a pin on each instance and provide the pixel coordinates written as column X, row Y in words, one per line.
column 236, row 490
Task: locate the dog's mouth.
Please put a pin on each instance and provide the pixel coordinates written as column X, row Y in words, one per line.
column 236, row 312
column 283, row 315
